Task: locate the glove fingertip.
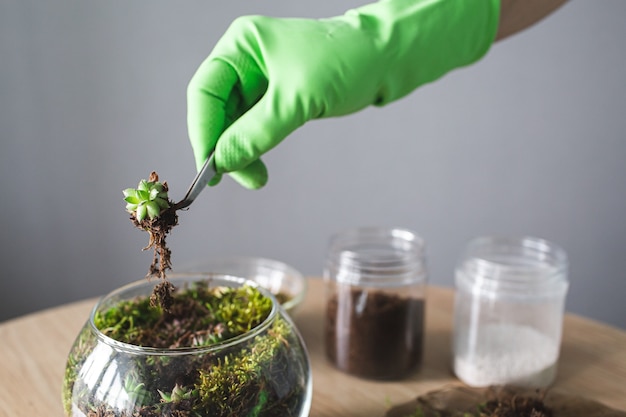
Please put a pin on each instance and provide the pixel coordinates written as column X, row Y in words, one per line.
column 215, row 180
column 253, row 176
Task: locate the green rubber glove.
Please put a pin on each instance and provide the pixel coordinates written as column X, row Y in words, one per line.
column 268, row 76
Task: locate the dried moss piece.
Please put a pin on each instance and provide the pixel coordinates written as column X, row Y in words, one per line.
column 515, row 406
column 458, row 401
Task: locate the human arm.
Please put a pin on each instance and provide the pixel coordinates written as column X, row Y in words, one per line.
column 517, row 15
column 266, row 76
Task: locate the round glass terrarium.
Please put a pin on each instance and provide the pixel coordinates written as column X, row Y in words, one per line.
column 229, row 365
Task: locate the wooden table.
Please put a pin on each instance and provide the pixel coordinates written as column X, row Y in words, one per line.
column 34, row 349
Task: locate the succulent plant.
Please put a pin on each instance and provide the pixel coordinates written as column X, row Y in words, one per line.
column 136, row 390
column 153, row 212
column 149, row 199
column 178, row 394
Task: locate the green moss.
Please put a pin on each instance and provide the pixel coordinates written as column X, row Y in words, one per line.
column 259, row 376
column 211, row 314
column 84, row 343
column 244, row 382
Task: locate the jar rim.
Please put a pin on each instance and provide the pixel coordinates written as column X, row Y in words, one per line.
column 367, row 233
column 185, row 350
column 376, row 256
column 505, row 263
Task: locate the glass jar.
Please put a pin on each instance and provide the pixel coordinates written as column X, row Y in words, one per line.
column 509, row 305
column 263, row 369
column 375, row 282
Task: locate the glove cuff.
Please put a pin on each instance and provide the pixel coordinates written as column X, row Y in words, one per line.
column 424, row 39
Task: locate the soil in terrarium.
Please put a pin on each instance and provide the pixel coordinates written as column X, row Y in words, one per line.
column 257, row 379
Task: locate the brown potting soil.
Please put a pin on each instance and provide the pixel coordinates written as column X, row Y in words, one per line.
column 373, row 334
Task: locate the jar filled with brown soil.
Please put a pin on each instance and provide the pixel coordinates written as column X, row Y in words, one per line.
column 375, row 280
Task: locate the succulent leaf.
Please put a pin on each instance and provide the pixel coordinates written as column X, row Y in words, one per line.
column 142, row 212
column 162, row 203
column 154, row 193
column 153, row 209
column 143, row 195
column 143, row 185
column 130, row 193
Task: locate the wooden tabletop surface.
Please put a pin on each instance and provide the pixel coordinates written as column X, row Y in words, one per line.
column 34, row 349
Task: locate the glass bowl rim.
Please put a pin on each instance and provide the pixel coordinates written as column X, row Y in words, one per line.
column 189, row 278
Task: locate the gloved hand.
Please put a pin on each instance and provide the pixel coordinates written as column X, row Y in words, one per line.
column 268, row 76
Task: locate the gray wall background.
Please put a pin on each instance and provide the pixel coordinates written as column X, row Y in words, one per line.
column 530, row 140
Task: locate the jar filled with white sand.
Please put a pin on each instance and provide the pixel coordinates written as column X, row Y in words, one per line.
column 508, row 317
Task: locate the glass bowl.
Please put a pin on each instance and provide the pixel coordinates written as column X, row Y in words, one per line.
column 263, row 372
column 286, row 283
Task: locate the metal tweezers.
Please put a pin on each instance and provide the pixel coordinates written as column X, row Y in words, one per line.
column 199, row 183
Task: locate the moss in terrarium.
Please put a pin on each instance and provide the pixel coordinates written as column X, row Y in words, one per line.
column 199, row 316
column 248, row 378
column 251, row 379
column 84, row 343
